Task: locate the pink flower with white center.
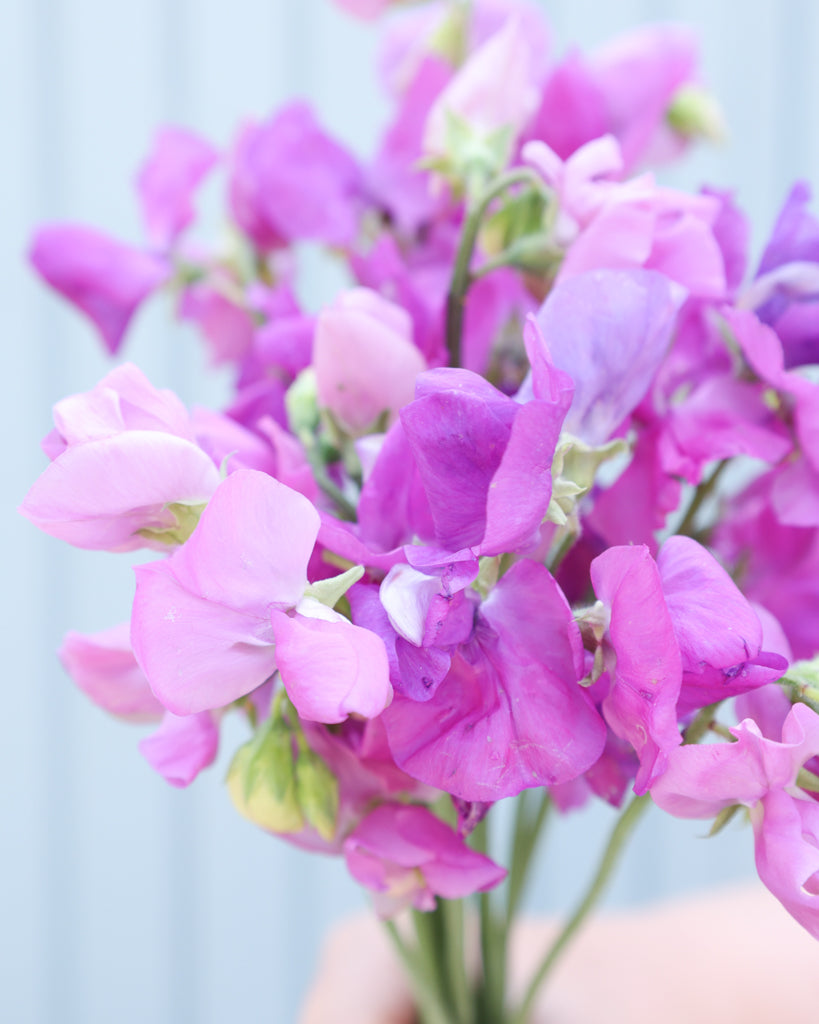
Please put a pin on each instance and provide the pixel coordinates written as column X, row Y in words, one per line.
column 122, row 455
column 365, row 360
column 762, row 774
column 407, row 857
column 214, row 621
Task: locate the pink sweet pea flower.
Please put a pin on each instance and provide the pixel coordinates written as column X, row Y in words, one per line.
column 625, row 89
column 407, row 857
column 122, row 454
column 780, row 564
column 167, row 181
column 719, row 633
column 104, row 667
column 226, row 324
column 641, row 706
column 214, row 621
column 291, row 181
column 365, row 360
column 106, row 279
column 702, row 780
column 494, row 90
column 182, row 746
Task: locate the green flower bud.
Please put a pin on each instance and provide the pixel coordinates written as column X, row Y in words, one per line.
column 317, row 792
column 695, row 113
column 262, row 779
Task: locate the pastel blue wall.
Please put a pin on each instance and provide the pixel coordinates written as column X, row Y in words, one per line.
column 123, row 900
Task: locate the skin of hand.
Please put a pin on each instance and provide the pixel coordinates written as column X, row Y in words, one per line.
column 727, row 957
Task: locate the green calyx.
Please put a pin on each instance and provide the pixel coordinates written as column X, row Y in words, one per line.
column 186, row 519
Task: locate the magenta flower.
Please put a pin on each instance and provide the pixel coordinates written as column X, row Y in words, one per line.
column 641, row 706
column 719, row 633
column 407, row 857
column 702, row 780
column 485, row 460
column 106, row 279
column 290, row 181
column 214, row 621
column 167, row 181
column 509, row 713
column 123, row 454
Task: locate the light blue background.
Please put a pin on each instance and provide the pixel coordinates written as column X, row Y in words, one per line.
column 123, row 900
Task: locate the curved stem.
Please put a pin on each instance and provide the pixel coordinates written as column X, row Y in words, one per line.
column 461, row 276
column 621, row 832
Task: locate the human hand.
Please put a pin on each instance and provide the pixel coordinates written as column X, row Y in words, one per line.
column 728, row 957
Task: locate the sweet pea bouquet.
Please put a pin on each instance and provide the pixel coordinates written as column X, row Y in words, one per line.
column 529, row 511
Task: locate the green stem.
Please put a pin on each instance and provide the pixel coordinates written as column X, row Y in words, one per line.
column 528, row 828
column 702, row 492
column 431, row 954
column 452, row 912
column 702, row 722
column 622, row 830
column 461, row 276
column 492, row 992
column 345, row 507
column 426, row 995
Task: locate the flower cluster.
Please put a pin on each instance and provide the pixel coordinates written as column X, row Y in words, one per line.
column 466, row 531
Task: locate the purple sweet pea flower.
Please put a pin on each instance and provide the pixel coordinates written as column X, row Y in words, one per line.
column 106, row 279
column 213, row 622
column 167, row 181
column 702, row 780
column 509, row 714
column 485, row 460
column 290, row 181
column 407, row 857
column 785, row 293
column 609, row 330
column 122, row 454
